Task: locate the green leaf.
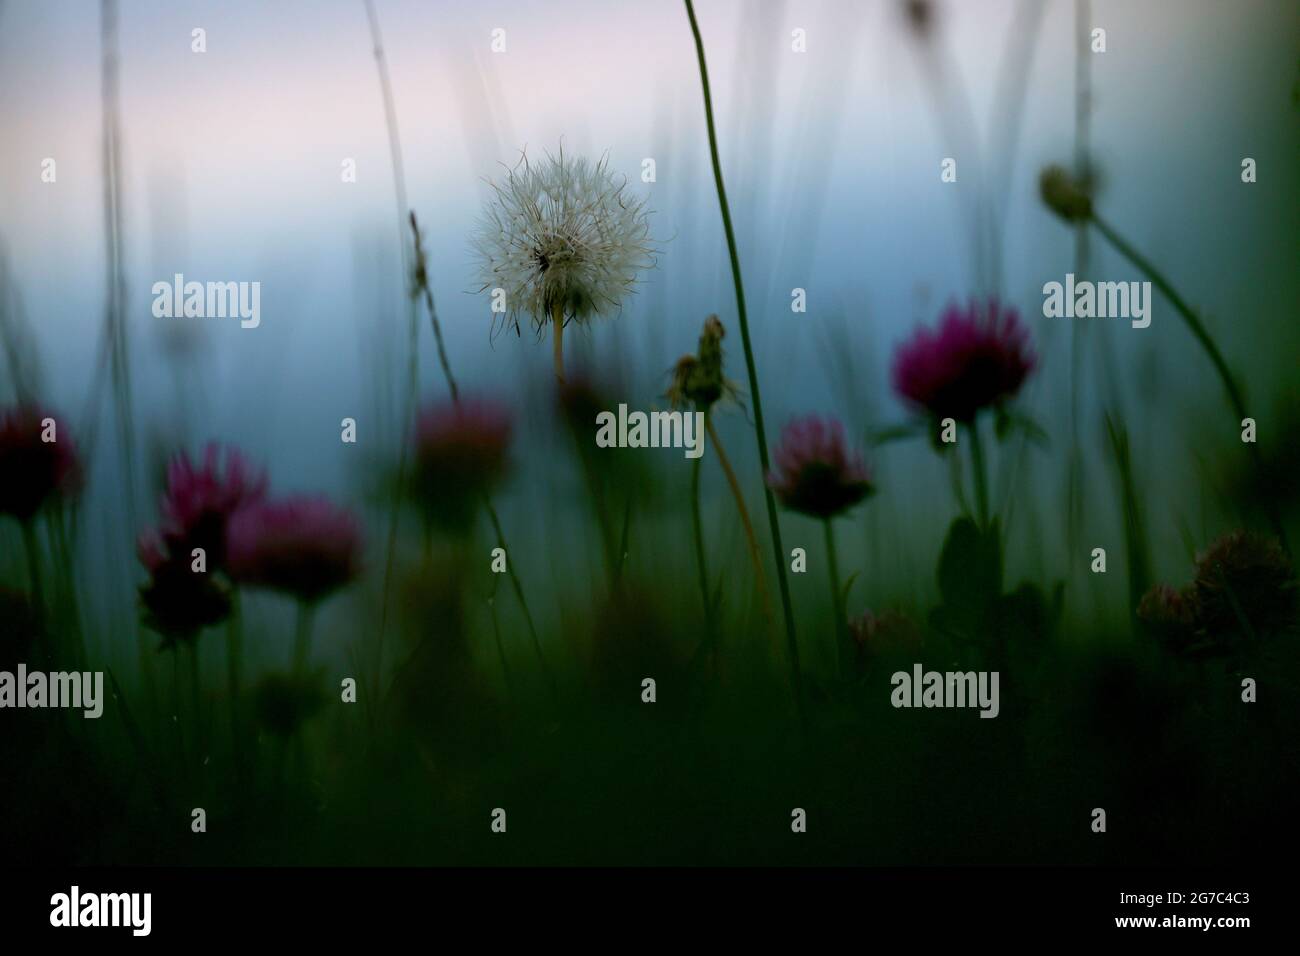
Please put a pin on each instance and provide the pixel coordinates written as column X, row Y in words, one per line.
column 848, row 586
column 970, row 572
column 1005, row 422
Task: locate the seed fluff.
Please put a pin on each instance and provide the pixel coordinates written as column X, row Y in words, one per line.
column 563, row 239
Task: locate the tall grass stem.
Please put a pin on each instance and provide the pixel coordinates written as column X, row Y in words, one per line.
column 792, row 643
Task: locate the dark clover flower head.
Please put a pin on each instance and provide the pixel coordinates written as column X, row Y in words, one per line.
column 1244, row 583
column 977, row 358
column 32, row 469
column 178, row 602
column 306, row 547
column 815, row 473
column 200, row 499
column 461, row 454
column 887, row 635
column 1169, row 615
column 1244, row 590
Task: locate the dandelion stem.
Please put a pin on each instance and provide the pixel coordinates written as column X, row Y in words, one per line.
column 557, row 318
column 750, row 539
column 697, row 529
column 792, row 643
column 837, row 596
column 981, row 476
column 1203, row 338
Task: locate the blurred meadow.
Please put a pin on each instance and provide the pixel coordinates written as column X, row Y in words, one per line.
column 478, row 687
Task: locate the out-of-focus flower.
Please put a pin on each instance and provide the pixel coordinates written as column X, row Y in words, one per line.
column 306, row 547
column 198, row 501
column 1244, row 577
column 178, row 602
column 581, row 398
column 562, row 236
column 32, row 469
column 1064, row 195
column 978, row 357
column 886, row 635
column 815, row 472
column 1170, row 615
column 461, row 454
column 1244, row 588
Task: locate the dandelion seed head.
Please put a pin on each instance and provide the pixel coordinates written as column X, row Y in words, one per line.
column 562, row 234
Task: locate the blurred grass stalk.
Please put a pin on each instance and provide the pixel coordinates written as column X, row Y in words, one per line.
column 1204, row 339
column 413, row 334
column 791, row 640
column 115, row 345
column 423, row 287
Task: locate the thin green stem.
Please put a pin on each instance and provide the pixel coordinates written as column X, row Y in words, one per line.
column 501, row 651
column 837, row 597
column 422, row 282
column 302, row 638
column 981, row 475
column 701, row 566
column 196, row 697
column 234, row 667
column 1203, row 338
column 792, row 644
column 34, row 569
column 413, row 328
column 518, row 588
column 422, row 277
column 1193, row 322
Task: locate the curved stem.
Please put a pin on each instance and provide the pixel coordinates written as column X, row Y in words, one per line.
column 518, row 588
column 697, row 529
column 981, row 477
column 234, row 657
column 422, row 280
column 34, row 569
column 1203, row 338
column 750, row 538
column 196, row 697
column 792, row 644
column 1193, row 322
column 837, row 596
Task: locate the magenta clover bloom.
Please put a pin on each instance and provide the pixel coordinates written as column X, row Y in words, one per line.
column 306, row 547
column 32, row 469
column 977, row 358
column 815, row 472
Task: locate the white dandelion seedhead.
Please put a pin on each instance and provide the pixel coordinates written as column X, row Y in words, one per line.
column 562, row 235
